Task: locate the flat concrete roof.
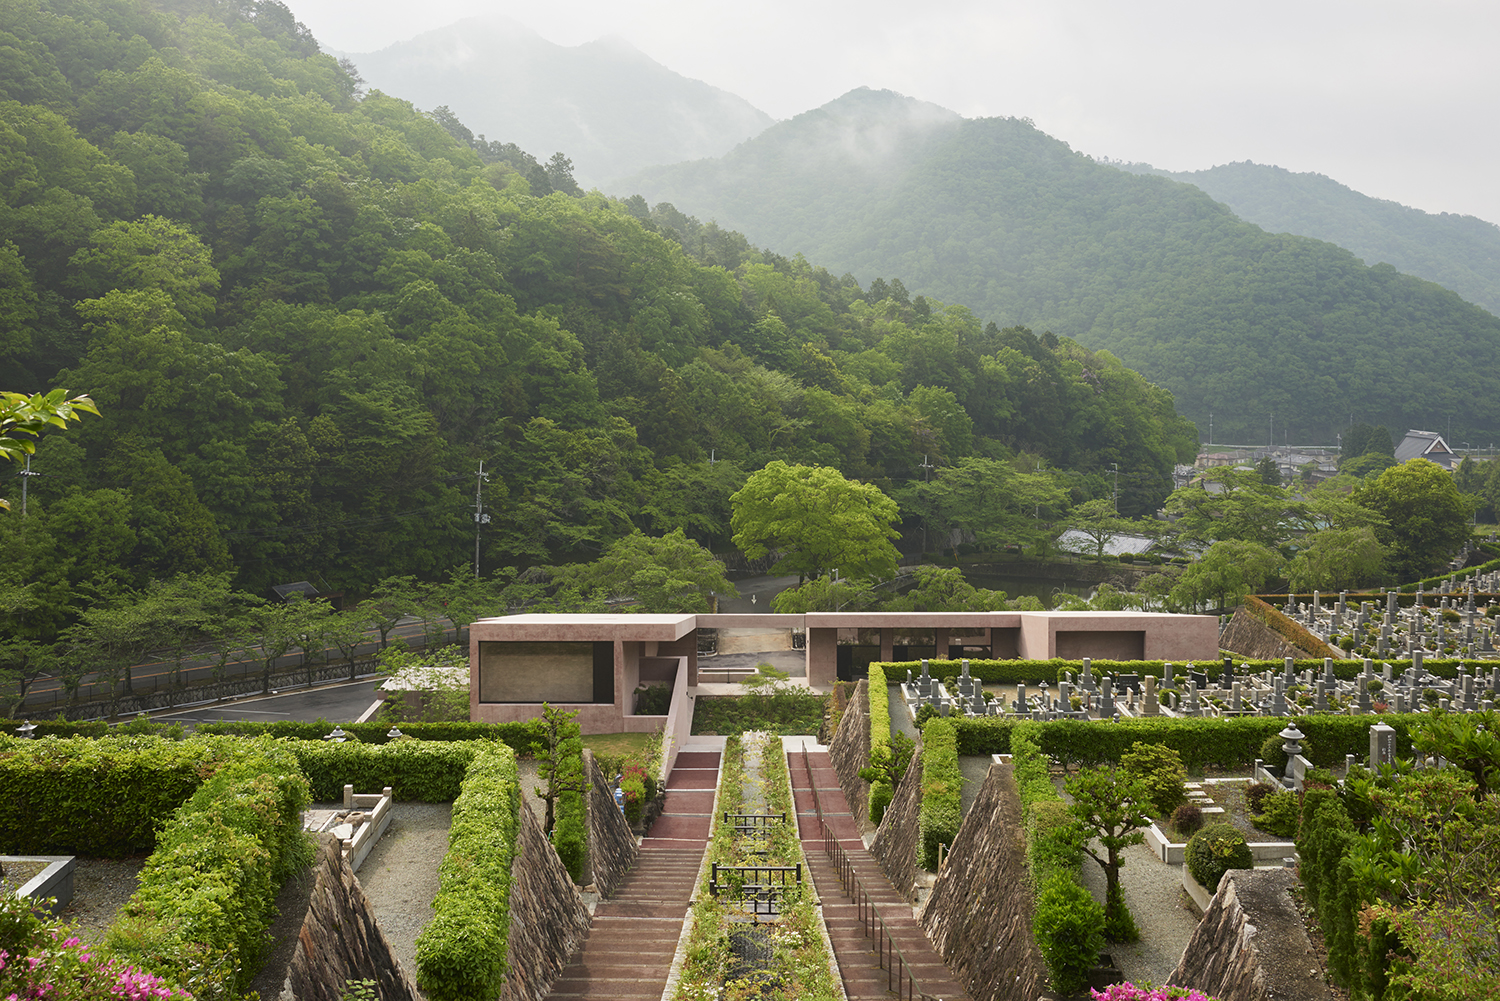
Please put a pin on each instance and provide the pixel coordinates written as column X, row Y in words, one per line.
column 584, row 627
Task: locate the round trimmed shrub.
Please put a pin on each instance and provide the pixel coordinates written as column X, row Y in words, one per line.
column 1215, row 850
column 1187, row 818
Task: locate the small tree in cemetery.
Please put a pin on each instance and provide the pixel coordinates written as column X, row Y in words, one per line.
column 560, row 768
column 1112, row 804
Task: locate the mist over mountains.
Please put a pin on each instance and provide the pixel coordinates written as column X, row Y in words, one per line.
column 997, row 216
column 605, row 104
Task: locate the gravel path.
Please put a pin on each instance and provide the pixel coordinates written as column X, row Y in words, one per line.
column 1163, row 912
column 400, row 875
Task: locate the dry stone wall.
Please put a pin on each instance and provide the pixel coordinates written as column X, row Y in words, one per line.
column 850, row 751
column 548, row 919
column 340, row 940
column 979, row 914
column 1252, row 639
column 1251, row 944
column 612, row 848
column 895, row 844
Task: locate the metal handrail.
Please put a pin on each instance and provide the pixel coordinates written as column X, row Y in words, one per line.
column 906, row 985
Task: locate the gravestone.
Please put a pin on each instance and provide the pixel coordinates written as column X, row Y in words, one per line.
column 1149, row 706
column 1382, row 745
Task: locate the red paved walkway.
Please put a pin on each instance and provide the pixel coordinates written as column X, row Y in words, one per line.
column 858, row 961
column 630, row 946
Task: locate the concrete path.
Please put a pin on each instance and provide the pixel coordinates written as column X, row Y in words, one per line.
column 866, row 972
column 633, row 938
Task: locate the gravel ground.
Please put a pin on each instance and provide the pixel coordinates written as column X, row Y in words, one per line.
column 400, row 875
column 100, row 888
column 1163, row 912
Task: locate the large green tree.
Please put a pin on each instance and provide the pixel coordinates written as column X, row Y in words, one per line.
column 1427, row 519
column 816, row 520
column 668, row 574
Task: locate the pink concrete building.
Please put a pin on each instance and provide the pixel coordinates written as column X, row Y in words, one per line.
column 594, row 663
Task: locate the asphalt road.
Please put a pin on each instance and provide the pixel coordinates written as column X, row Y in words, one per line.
column 336, row 703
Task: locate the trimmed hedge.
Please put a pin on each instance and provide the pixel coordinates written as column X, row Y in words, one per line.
column 1202, row 742
column 461, row 954
column 422, row 770
column 525, row 738
column 99, row 797
column 879, row 694
column 1067, row 923
column 1034, row 672
column 209, row 890
column 942, row 790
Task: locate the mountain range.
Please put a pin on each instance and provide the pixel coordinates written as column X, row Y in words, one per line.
column 1275, row 334
column 607, row 105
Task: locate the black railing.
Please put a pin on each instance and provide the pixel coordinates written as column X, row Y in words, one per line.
column 761, row 887
column 754, row 823
column 899, row 980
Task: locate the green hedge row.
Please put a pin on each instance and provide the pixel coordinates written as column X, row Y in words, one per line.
column 526, row 738
column 428, row 771
column 1067, row 923
column 461, row 954
column 1232, row 743
column 1033, row 672
column 99, row 797
column 880, row 739
column 942, row 790
column 208, row 891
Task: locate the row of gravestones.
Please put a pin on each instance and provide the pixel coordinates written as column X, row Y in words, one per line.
column 1403, row 630
column 1231, row 694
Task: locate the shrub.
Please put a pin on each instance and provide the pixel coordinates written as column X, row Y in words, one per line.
column 422, row 770
column 1187, row 818
column 653, row 700
column 1279, row 813
column 881, row 792
column 1256, row 794
column 925, row 711
column 211, row 884
column 1273, row 753
column 633, row 784
column 942, row 790
column 1215, row 850
column 461, row 954
column 1161, row 769
column 1069, row 930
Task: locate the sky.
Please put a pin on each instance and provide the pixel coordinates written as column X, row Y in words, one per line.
column 1394, row 98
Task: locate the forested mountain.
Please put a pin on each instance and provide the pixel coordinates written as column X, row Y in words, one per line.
column 608, row 105
column 1258, row 328
column 1460, row 252
column 307, row 315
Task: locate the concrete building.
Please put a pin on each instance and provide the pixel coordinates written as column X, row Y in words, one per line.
column 594, row 663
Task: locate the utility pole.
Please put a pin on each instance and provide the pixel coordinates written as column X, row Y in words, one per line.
column 26, row 475
column 480, row 518
column 1116, row 466
column 926, row 478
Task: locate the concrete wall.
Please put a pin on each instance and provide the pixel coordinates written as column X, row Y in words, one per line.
column 979, row 914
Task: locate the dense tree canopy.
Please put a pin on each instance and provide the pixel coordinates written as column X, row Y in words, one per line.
column 816, row 520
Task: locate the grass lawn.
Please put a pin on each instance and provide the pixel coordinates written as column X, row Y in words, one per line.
column 630, row 746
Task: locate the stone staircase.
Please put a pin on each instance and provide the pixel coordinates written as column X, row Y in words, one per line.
column 634, row 934
column 897, row 954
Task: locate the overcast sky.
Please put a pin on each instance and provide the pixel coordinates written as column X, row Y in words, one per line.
column 1395, row 98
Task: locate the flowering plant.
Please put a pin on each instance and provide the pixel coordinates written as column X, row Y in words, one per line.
column 44, row 960
column 1130, row 992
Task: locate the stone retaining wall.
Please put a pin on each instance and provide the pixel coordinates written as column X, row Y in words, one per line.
column 1251, row 944
column 340, row 941
column 612, row 848
column 850, row 751
column 979, row 914
column 548, row 919
column 1250, row 638
column 895, row 844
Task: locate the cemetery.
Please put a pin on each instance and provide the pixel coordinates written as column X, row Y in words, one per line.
column 787, row 863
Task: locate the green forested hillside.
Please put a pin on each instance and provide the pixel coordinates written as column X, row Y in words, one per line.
column 307, row 314
column 1460, row 252
column 992, row 213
